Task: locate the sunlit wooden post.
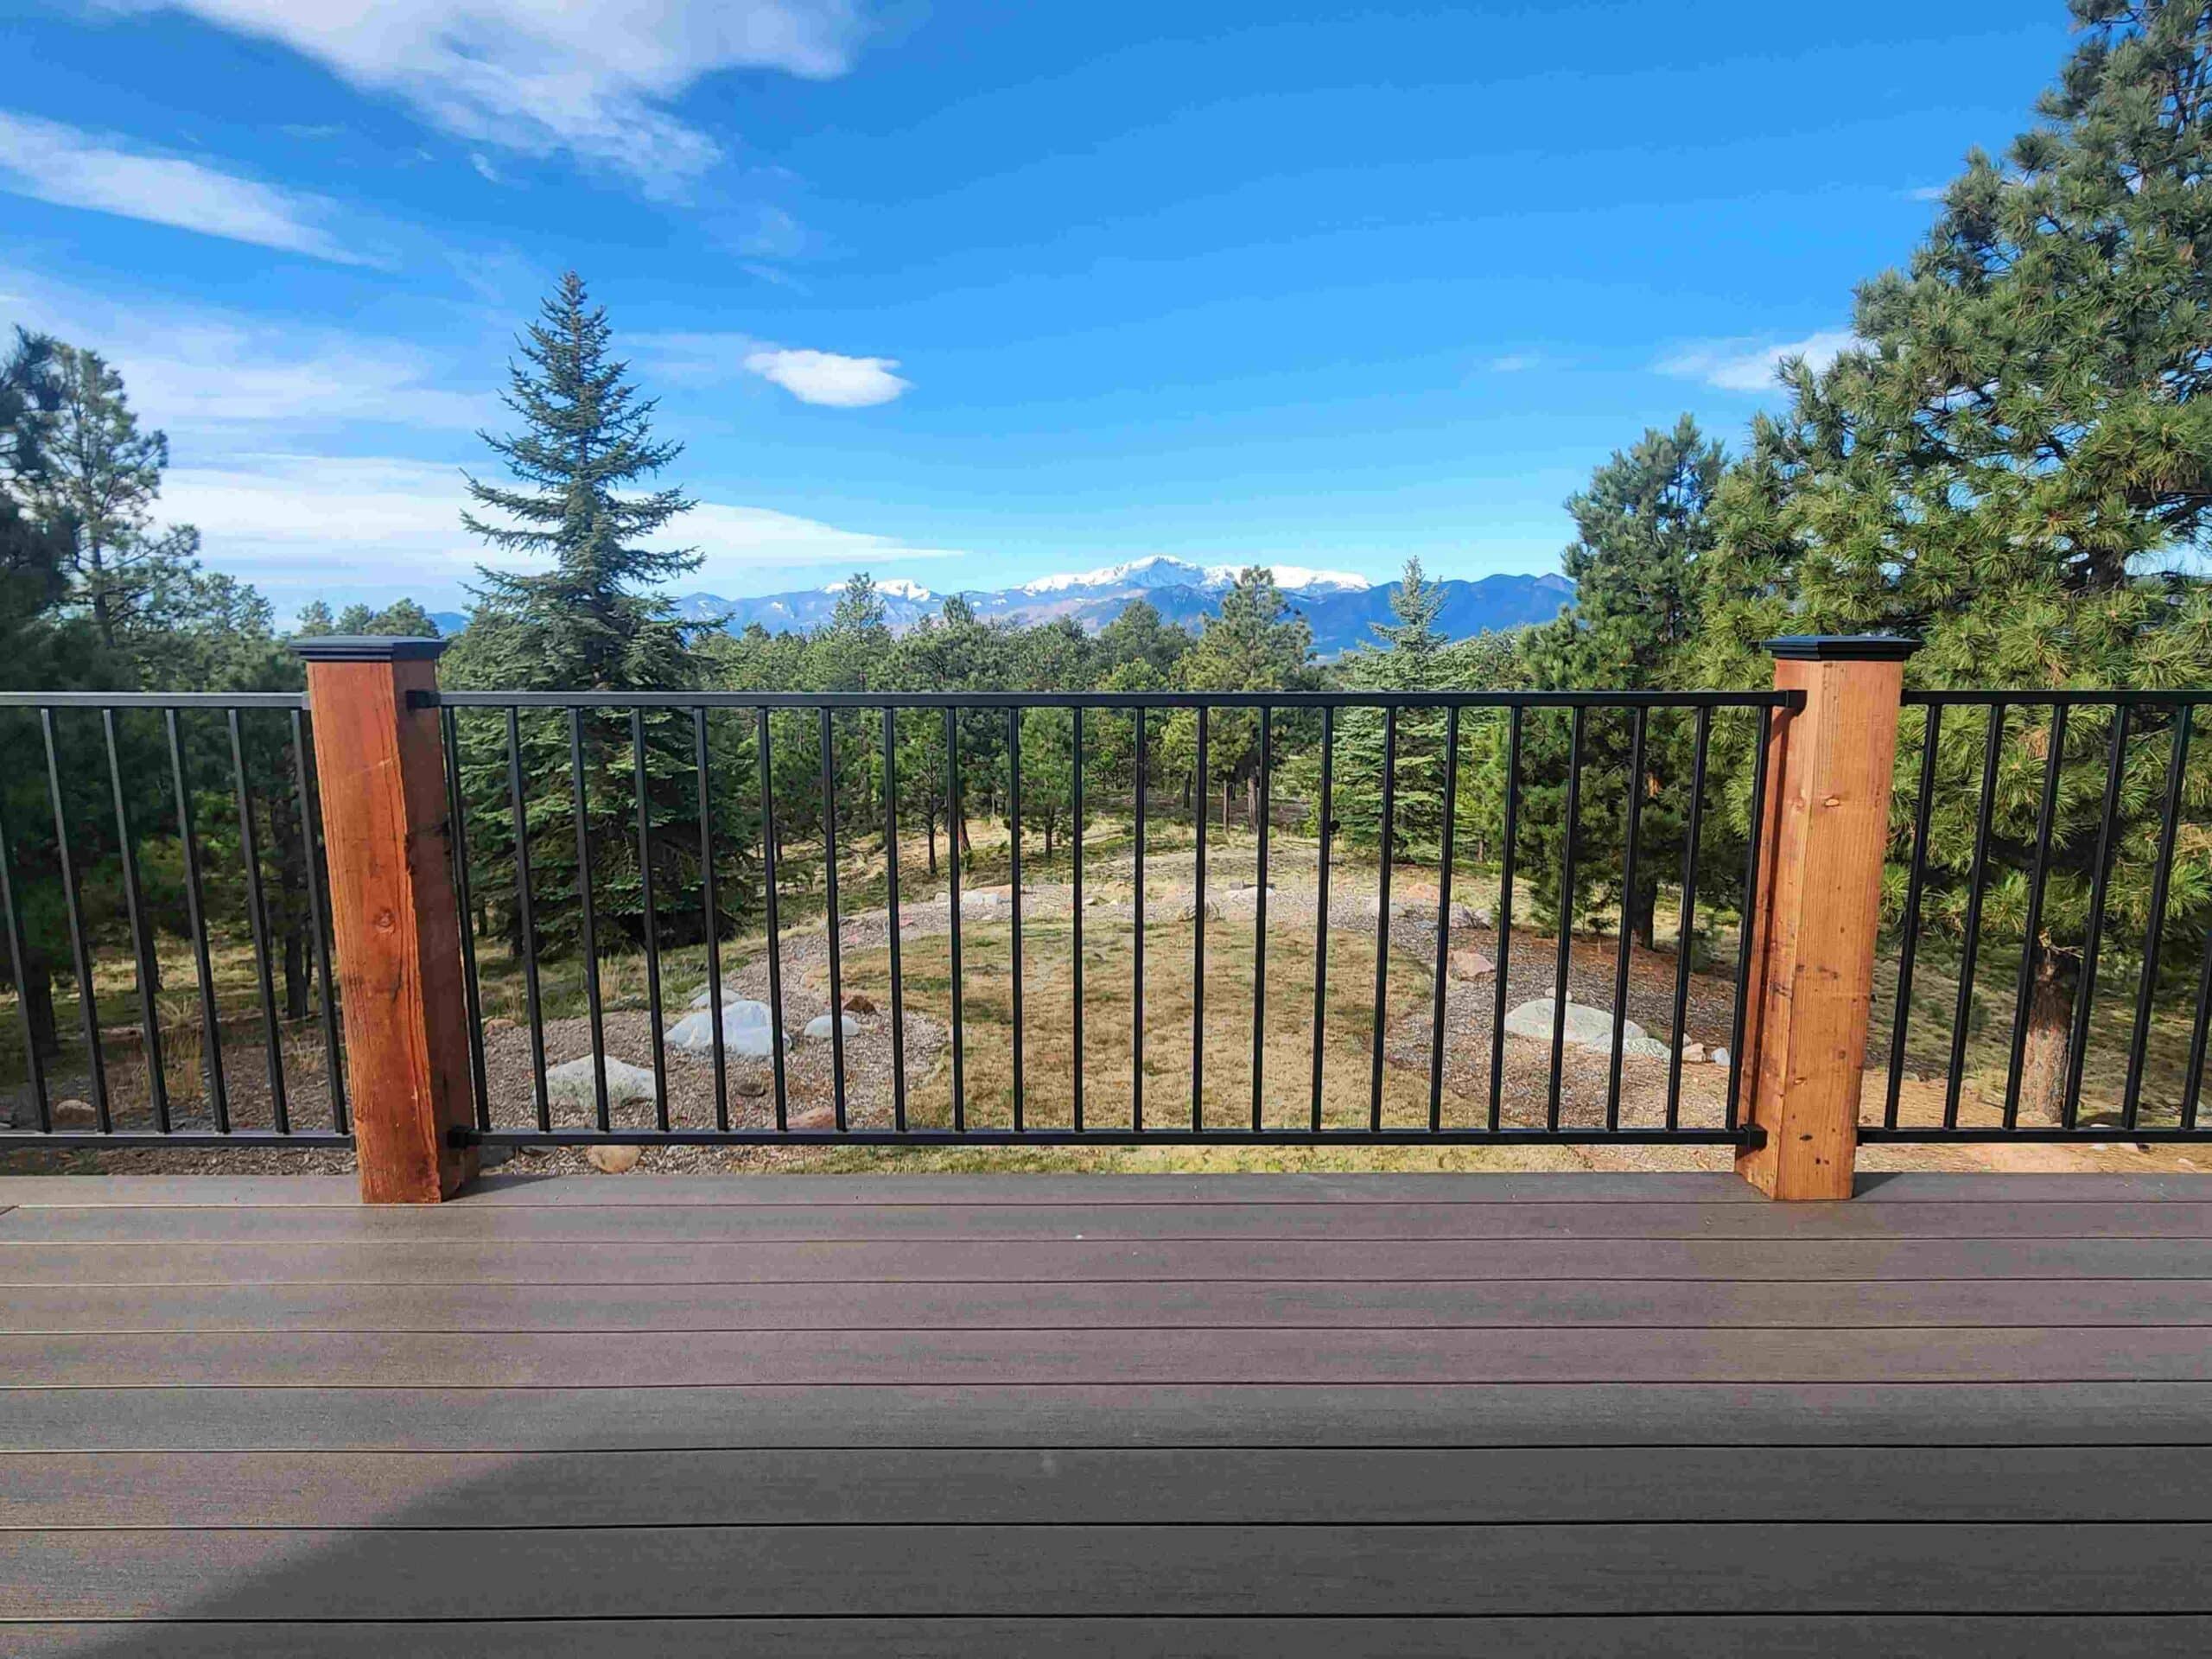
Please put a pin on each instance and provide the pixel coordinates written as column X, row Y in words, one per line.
column 1821, row 839
column 382, row 770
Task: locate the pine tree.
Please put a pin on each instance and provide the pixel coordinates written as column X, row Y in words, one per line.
column 1643, row 529
column 96, row 492
column 592, row 622
column 1256, row 642
column 2015, row 464
column 1413, row 657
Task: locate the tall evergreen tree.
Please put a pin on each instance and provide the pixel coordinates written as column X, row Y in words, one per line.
column 1643, row 529
column 1413, row 657
column 591, row 621
column 2014, row 463
column 1257, row 642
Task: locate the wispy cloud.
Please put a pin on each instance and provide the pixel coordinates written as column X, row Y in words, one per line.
column 50, row 161
column 1515, row 363
column 829, row 379
column 289, row 521
column 1928, row 193
column 593, row 78
column 221, row 379
column 1747, row 364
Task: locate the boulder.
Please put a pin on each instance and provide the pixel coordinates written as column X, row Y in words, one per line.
column 1693, row 1053
column 1188, row 911
column 747, row 1031
column 571, row 1084
column 1470, row 964
column 614, row 1161
column 75, row 1114
column 814, row 1119
column 751, row 1084
column 858, row 1002
column 817, row 1029
column 1720, row 1057
column 983, row 906
column 732, row 997
column 1586, row 1027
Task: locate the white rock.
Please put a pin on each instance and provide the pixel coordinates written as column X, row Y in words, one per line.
column 1586, row 1027
column 988, row 906
column 571, row 1084
column 746, row 1031
column 1694, row 1054
column 1720, row 1057
column 614, row 1161
column 817, row 1029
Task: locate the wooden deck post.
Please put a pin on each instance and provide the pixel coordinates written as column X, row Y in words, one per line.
column 1821, row 839
column 382, row 770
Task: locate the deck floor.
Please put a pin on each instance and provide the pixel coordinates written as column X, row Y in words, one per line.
column 1248, row 1416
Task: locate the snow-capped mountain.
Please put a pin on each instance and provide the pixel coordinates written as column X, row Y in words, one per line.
column 1161, row 571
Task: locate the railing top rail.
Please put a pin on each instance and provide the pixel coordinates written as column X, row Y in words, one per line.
column 1316, row 700
column 2047, row 699
column 123, row 700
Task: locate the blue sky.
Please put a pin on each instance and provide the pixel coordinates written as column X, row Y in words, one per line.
column 971, row 292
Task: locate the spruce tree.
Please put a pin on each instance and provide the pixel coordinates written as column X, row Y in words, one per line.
column 1413, row 657
column 2014, row 463
column 584, row 615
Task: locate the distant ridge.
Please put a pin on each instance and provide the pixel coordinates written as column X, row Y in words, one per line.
column 1339, row 606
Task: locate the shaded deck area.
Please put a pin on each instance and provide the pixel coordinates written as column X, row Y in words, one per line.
column 1264, row 1416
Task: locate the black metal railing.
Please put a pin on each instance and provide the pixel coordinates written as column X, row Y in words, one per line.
column 508, row 790
column 97, row 781
column 2052, row 804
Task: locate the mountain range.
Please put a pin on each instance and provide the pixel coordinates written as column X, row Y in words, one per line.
column 1337, row 606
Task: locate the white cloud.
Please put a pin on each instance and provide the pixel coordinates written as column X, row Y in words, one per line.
column 1748, row 366
column 221, row 376
column 298, row 525
column 828, row 377
column 590, row 77
column 49, row 162
column 1515, row 363
column 1928, row 193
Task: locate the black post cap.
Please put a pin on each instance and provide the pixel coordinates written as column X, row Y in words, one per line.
column 366, row 648
column 1841, row 647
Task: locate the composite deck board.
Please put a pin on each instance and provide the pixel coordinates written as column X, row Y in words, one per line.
column 1348, row 1262
column 1107, row 1304
column 1022, row 1223
column 947, row 1570
column 638, row 1360
column 1566, row 1636
column 926, row 1486
column 1378, row 1414
column 1337, row 1415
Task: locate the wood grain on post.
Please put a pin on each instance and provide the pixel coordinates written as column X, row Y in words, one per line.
column 381, row 768
column 1822, row 835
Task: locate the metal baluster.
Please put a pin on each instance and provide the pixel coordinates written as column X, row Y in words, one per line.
column 257, row 914
column 142, row 945
column 891, row 887
column 1443, row 920
column 2031, row 938
column 1687, row 930
column 1638, row 726
column 641, row 787
column 1504, row 917
column 2086, row 990
column 1747, row 925
column 526, row 907
column 1908, row 941
column 775, row 926
column 457, row 816
column 18, row 966
column 1136, row 1027
column 1321, row 904
column 1014, row 844
column 1259, row 926
column 710, row 916
column 835, row 923
column 589, row 918
column 952, row 905
column 1970, row 946
column 1198, row 935
column 1382, row 916
column 2161, row 879
column 1566, row 944
column 1076, row 896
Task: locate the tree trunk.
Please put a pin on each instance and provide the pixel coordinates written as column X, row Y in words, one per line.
column 932, row 840
column 38, row 1000
column 2043, row 1063
column 1644, row 906
column 1224, row 803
